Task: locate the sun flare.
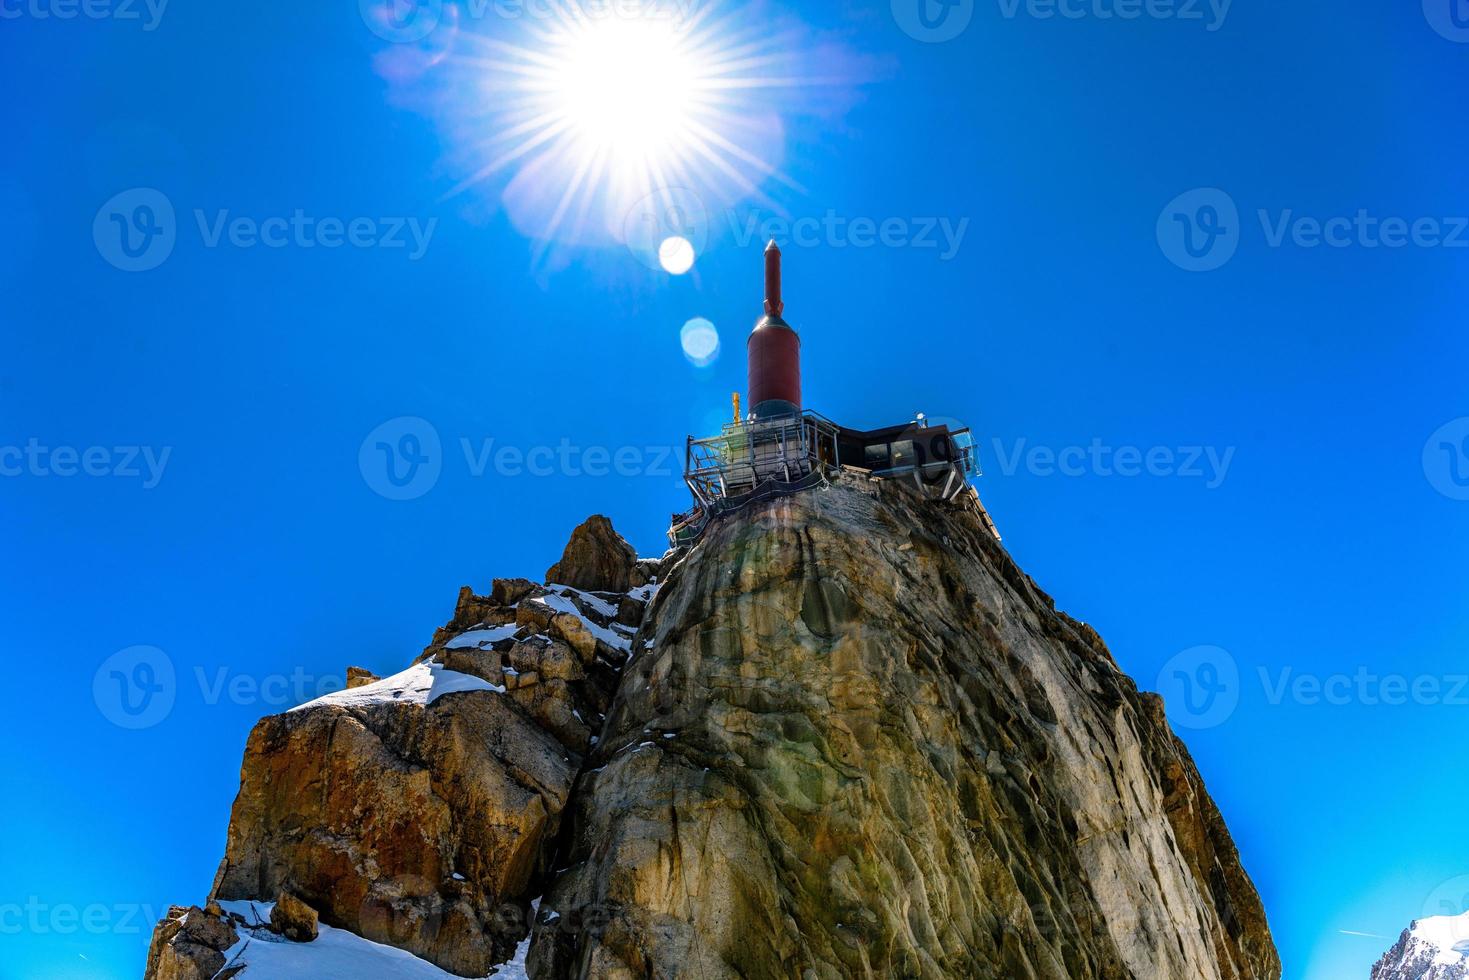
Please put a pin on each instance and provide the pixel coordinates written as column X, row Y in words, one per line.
column 625, row 88
column 630, row 127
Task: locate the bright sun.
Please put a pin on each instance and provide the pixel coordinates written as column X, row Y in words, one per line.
column 626, row 88
column 633, row 122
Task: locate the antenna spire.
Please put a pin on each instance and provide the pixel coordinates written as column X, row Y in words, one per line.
column 774, row 306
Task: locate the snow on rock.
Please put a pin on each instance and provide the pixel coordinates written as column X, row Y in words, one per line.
column 1435, row 948
column 1448, row 933
column 596, row 603
column 335, row 954
column 422, row 683
column 481, row 638
column 645, row 593
column 608, row 635
column 515, row 969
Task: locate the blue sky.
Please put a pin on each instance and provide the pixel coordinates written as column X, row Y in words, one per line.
column 185, row 449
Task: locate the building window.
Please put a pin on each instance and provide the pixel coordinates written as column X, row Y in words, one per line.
column 904, row 454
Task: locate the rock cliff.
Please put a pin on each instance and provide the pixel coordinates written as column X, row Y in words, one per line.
column 841, row 736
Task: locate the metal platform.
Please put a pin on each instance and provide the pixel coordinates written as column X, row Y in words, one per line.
column 756, row 459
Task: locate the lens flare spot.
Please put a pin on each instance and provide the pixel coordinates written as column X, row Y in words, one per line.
column 676, row 255
column 700, row 341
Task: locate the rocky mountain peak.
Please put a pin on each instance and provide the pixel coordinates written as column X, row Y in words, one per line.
column 597, row 559
column 841, row 735
column 1435, row 948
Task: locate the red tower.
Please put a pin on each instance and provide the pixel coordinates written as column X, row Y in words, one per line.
column 774, row 351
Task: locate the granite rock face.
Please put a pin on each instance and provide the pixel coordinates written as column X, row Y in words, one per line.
column 843, row 735
column 856, row 741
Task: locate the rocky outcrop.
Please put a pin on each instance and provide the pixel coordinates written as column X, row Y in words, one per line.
column 842, row 736
column 407, row 817
column 863, row 743
column 360, row 677
column 1435, row 948
column 190, row 944
column 419, row 810
column 294, row 919
column 597, row 559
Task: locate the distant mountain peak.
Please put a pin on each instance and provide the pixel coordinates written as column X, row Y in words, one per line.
column 1435, row 948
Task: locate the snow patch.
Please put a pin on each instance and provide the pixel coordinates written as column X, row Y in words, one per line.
column 481, row 638
column 420, row 684
column 334, row 955
column 1448, row 934
column 561, row 604
column 602, row 606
